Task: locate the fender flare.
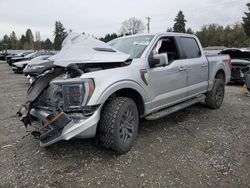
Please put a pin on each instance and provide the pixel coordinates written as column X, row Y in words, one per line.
column 124, row 84
column 218, row 68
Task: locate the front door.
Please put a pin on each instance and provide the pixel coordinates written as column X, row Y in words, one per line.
column 167, row 84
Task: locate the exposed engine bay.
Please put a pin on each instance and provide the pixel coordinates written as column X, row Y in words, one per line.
column 240, row 63
column 58, row 97
column 239, row 70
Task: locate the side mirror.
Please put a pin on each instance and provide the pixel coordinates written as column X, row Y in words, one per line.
column 158, row 60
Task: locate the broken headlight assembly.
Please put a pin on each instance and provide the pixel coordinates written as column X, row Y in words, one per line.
column 75, row 93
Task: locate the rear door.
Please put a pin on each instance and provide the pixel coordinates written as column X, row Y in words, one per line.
column 196, row 66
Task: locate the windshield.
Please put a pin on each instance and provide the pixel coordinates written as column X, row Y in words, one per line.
column 31, row 55
column 20, row 54
column 134, row 46
column 26, row 53
column 43, row 57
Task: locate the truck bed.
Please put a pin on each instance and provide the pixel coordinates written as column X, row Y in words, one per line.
column 215, row 61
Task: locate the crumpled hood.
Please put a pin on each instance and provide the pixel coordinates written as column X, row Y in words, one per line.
column 79, row 48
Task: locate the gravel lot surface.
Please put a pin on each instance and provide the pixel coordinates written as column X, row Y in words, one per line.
column 196, row 147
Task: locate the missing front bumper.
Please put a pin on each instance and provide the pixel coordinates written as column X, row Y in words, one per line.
column 53, row 126
column 64, row 128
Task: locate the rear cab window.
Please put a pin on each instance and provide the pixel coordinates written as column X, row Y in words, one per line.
column 189, row 47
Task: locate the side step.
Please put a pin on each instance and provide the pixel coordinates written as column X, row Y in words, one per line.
column 175, row 108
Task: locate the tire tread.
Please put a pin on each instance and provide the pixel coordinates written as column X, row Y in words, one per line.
column 108, row 121
column 210, row 98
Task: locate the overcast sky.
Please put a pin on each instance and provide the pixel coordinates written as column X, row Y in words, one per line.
column 99, row 17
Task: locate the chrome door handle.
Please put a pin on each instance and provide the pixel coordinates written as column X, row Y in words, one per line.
column 204, row 65
column 181, row 69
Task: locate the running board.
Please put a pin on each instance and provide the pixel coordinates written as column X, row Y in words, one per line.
column 175, row 108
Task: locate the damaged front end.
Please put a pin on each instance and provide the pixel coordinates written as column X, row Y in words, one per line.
column 57, row 102
column 56, row 107
column 239, row 72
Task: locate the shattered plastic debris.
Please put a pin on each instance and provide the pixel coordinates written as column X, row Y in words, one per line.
column 6, row 146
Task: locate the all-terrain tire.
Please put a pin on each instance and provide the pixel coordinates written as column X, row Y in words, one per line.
column 118, row 114
column 215, row 97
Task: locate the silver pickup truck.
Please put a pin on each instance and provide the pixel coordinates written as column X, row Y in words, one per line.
column 102, row 90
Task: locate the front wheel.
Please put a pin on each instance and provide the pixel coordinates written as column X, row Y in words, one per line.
column 215, row 97
column 119, row 124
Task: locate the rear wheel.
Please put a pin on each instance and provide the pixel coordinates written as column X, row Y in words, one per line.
column 215, row 97
column 119, row 124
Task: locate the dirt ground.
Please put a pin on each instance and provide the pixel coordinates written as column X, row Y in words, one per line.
column 196, row 147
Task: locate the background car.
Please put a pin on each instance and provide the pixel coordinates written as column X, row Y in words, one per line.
column 19, row 66
column 240, row 59
column 22, row 54
column 3, row 55
column 34, row 69
column 28, row 57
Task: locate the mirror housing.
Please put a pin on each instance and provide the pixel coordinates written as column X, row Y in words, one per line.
column 158, row 60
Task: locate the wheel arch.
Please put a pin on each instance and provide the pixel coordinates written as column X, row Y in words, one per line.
column 132, row 94
column 220, row 74
column 126, row 89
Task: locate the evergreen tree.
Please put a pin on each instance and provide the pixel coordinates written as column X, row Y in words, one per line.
column 189, row 31
column 29, row 44
column 47, row 45
column 60, row 34
column 13, row 41
column 6, row 42
column 180, row 21
column 37, row 43
column 109, row 37
column 22, row 42
column 246, row 21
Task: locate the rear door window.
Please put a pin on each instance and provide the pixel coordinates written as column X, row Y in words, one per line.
column 190, row 48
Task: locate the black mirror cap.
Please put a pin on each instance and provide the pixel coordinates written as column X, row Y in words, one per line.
column 153, row 62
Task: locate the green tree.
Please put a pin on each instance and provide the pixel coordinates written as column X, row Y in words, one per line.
column 22, row 42
column 29, row 43
column 60, row 34
column 180, row 23
column 189, row 31
column 47, row 44
column 6, row 41
column 109, row 37
column 246, row 21
column 238, row 37
column 13, row 41
column 229, row 36
column 37, row 43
